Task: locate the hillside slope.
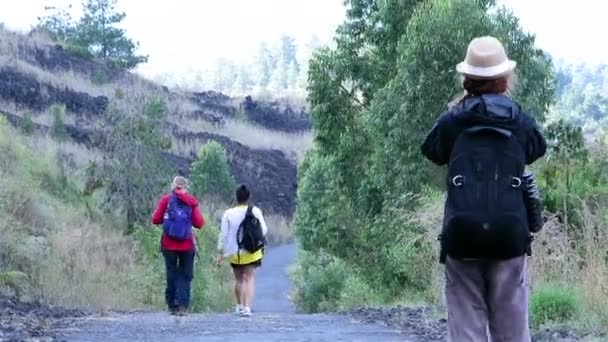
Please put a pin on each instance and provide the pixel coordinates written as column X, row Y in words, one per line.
column 263, row 140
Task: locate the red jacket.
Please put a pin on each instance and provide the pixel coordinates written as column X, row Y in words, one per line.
column 167, row 243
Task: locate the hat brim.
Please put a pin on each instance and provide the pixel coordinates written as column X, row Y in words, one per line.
column 486, row 72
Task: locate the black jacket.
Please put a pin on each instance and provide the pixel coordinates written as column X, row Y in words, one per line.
column 495, row 110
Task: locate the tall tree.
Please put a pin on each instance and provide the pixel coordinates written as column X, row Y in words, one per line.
column 134, row 170
column 373, row 97
column 264, row 65
column 288, row 52
column 96, row 32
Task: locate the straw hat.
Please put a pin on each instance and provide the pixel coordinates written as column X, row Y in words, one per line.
column 486, row 59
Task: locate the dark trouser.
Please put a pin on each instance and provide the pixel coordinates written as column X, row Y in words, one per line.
column 179, row 266
column 487, row 300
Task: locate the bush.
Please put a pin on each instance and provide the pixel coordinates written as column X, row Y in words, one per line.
column 27, row 125
column 323, row 282
column 318, row 281
column 554, row 303
column 210, row 174
column 58, row 130
column 357, row 293
column 16, row 281
column 212, row 288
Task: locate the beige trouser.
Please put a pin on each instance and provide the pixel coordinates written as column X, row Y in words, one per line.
column 487, row 300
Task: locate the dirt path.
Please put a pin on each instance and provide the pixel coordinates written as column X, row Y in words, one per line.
column 274, row 319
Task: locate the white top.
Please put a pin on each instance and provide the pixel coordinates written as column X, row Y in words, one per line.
column 226, row 243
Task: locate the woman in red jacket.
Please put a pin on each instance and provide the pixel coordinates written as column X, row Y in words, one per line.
column 178, row 252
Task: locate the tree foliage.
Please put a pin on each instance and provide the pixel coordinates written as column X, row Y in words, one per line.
column 134, row 170
column 373, row 97
column 58, row 130
column 95, row 32
column 210, row 173
column 581, row 96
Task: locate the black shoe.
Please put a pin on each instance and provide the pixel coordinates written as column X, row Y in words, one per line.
column 174, row 310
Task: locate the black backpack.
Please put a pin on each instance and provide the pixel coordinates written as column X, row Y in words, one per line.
column 250, row 235
column 485, row 212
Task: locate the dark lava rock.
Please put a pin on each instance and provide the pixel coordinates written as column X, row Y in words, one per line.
column 55, row 58
column 212, row 102
column 20, row 320
column 424, row 324
column 277, row 116
column 269, row 173
column 25, row 90
column 217, row 120
column 420, row 322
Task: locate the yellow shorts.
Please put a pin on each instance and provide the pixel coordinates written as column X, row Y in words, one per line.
column 246, row 258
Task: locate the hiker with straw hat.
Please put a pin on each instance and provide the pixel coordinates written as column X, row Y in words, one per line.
column 486, row 140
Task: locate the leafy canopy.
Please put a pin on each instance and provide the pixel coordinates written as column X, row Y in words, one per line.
column 210, row 173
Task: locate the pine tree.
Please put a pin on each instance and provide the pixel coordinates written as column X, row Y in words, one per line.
column 264, row 63
column 96, row 32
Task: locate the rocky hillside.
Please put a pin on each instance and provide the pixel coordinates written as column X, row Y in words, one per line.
column 36, row 74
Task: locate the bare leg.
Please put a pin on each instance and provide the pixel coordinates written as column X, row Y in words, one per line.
column 238, row 285
column 249, row 288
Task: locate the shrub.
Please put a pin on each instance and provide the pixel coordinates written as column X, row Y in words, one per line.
column 318, row 281
column 357, row 293
column 280, row 230
column 210, row 173
column 58, row 130
column 16, row 281
column 554, row 303
column 27, row 125
column 212, row 286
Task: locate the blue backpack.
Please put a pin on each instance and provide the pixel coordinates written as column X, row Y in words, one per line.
column 178, row 219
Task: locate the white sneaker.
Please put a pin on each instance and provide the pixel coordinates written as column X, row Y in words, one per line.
column 246, row 312
column 238, row 309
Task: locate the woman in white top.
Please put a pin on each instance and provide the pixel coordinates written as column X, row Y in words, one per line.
column 243, row 262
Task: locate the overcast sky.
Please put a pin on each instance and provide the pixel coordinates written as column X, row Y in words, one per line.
column 191, row 34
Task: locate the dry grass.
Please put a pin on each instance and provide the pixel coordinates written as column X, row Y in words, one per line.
column 280, row 230
column 137, row 91
column 581, row 264
column 88, row 266
column 80, row 154
column 14, row 52
column 429, row 216
column 556, row 258
column 293, row 145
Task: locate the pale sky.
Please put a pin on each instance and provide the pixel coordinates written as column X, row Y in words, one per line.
column 191, row 34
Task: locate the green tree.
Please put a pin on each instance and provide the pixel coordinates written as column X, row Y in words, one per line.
column 342, row 82
column 58, row 130
column 135, row 169
column 402, row 112
column 210, row 174
column 373, row 97
column 27, row 125
column 58, row 23
column 96, row 32
column 265, row 65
